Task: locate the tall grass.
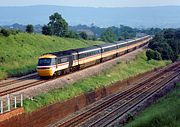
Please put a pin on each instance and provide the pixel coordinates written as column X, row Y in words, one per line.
column 19, row 53
column 165, row 113
column 119, row 72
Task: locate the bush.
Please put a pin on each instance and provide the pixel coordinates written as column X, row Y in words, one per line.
column 151, row 54
column 5, row 32
column 14, row 32
column 83, row 35
column 157, row 55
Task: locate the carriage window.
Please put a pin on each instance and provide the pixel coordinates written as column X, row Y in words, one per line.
column 81, row 56
column 109, row 49
column 63, row 60
column 74, row 57
column 87, row 54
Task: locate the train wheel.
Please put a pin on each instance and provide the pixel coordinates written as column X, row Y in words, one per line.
column 67, row 71
column 58, row 73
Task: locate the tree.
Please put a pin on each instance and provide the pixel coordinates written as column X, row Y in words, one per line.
column 108, row 35
column 126, row 32
column 94, row 38
column 83, row 35
column 46, row 30
column 72, row 34
column 29, row 28
column 177, row 34
column 169, row 33
column 58, row 25
column 167, row 43
column 164, row 49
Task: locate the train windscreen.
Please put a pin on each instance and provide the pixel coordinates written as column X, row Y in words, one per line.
column 46, row 62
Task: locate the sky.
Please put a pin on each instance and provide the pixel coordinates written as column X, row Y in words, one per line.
column 92, row 3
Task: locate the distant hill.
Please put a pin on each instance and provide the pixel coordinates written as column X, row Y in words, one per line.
column 167, row 16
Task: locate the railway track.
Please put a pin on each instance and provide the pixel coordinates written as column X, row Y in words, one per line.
column 144, row 88
column 15, row 87
column 129, row 105
column 21, row 87
column 8, row 83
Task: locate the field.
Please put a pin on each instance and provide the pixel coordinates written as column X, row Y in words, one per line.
column 165, row 113
column 19, row 53
column 119, row 72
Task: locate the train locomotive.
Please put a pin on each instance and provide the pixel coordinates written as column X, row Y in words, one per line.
column 62, row 62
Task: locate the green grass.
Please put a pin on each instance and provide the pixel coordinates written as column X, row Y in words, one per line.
column 165, row 113
column 19, row 53
column 119, row 72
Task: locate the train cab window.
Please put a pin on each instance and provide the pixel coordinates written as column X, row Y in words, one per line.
column 46, row 61
column 53, row 61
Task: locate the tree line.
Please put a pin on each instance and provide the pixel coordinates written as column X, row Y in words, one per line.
column 59, row 27
column 165, row 45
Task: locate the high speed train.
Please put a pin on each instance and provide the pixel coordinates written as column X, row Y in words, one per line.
column 62, row 62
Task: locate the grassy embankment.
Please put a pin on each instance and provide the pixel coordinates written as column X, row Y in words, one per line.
column 164, row 113
column 119, row 72
column 19, row 53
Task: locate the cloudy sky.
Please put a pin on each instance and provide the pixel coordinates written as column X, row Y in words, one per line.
column 91, row 3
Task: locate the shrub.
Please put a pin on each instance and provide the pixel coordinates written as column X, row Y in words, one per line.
column 151, row 54
column 14, row 32
column 5, row 32
column 83, row 35
column 72, row 34
column 157, row 55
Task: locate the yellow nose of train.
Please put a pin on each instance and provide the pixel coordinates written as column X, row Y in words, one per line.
column 45, row 71
column 46, row 65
